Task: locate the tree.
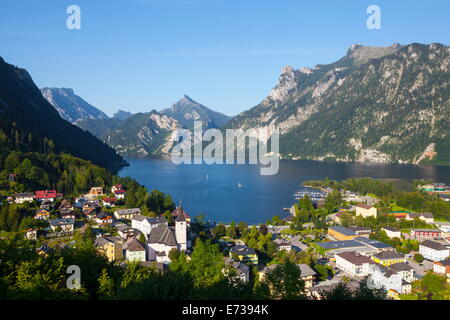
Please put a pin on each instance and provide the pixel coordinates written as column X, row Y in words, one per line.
column 263, row 229
column 206, row 264
column 284, row 282
column 220, row 230
column 333, row 201
column 322, row 271
column 231, row 230
column 106, row 284
column 418, row 258
column 142, row 238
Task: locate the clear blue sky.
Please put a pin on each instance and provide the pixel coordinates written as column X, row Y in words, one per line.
column 140, row 55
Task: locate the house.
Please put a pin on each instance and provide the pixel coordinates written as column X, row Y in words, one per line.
column 48, row 195
column 398, row 215
column 425, row 216
column 65, row 205
column 382, row 277
column 126, row 213
column 42, row 214
column 46, row 204
column 319, row 290
column 109, row 202
column 31, row 234
column 96, row 192
column 103, row 218
column 66, row 225
column 404, row 269
column 12, row 177
column 392, row 233
column 110, row 246
column 146, row 224
column 423, row 234
column 125, row 231
column 434, row 251
column 307, row 274
column 163, row 238
column 44, row 250
column 244, row 254
column 444, row 197
column 180, row 211
column 365, row 210
column 386, row 258
column 435, row 188
column 117, row 187
column 341, row 233
column 284, row 246
column 23, row 197
column 119, row 194
column 67, row 214
column 442, row 267
column 237, row 271
column 354, row 264
column 135, row 251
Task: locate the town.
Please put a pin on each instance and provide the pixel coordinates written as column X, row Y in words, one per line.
column 351, row 233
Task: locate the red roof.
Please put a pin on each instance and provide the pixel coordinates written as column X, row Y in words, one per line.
column 45, row 194
column 109, row 199
column 119, row 191
column 118, row 186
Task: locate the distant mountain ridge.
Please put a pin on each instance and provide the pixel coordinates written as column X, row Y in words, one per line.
column 70, row 106
column 150, row 133
column 24, row 110
column 376, row 104
column 186, row 111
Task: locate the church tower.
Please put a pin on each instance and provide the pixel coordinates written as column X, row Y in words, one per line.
column 181, row 231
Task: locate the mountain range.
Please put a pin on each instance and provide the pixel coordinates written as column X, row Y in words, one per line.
column 26, row 112
column 133, row 135
column 70, row 106
column 376, row 104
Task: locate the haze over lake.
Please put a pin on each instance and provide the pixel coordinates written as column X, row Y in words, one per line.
column 214, row 189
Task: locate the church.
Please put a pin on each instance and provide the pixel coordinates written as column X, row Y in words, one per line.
column 162, row 238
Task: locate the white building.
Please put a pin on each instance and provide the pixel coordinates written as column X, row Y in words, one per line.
column 392, row 233
column 23, row 197
column 126, row 213
column 366, row 211
column 442, row 267
column 163, row 238
column 354, row 263
column 382, row 277
column 146, row 224
column 433, row 251
column 66, row 225
column 135, row 251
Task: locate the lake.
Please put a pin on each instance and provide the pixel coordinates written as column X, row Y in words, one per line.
column 238, row 192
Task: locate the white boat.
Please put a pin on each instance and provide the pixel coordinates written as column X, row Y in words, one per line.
column 239, row 185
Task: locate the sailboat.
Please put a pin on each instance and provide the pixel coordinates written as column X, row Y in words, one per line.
column 239, row 185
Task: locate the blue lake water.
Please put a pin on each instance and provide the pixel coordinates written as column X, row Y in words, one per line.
column 213, row 189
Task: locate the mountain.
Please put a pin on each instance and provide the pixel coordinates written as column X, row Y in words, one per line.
column 377, row 104
column 143, row 134
column 122, row 115
column 101, row 128
column 70, row 106
column 186, row 111
column 26, row 112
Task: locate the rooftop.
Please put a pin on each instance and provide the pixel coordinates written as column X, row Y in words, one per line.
column 355, row 258
column 434, row 245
